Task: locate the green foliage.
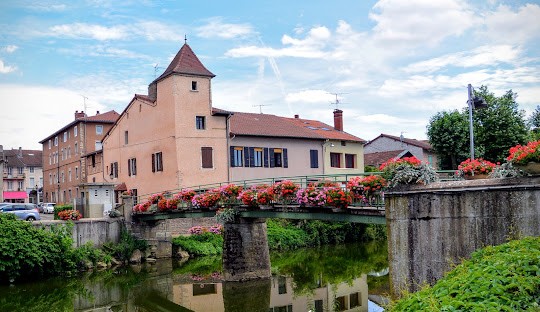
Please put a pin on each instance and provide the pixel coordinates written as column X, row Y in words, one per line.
column 205, row 244
column 203, row 266
column 59, row 208
column 500, row 278
column 496, row 128
column 123, row 250
column 448, row 134
column 499, row 126
column 375, row 232
column 27, row 252
column 284, row 235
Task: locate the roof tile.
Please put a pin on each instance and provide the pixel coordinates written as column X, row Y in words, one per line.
column 186, row 62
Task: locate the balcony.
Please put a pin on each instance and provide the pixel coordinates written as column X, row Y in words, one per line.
column 17, row 176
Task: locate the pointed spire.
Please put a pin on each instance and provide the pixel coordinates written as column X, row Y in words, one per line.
column 186, row 62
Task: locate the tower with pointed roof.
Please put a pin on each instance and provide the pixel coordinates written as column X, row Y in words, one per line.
column 172, row 137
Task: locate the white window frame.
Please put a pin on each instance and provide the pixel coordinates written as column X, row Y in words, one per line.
column 100, row 131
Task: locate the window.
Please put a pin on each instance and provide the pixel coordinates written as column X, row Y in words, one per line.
column 50, row 179
column 69, row 174
column 236, row 156
column 55, row 141
column 62, row 177
column 20, row 170
column 200, row 122
column 319, row 307
column 10, row 185
column 99, row 129
column 65, row 136
column 114, row 170
column 99, row 145
column 32, row 181
column 354, row 300
column 350, row 161
column 132, row 166
column 75, row 131
column 31, row 169
column 62, row 154
column 69, row 151
column 50, row 144
column 126, row 137
column 76, row 173
column 206, row 156
column 314, row 158
column 9, row 170
column 335, row 160
column 157, row 162
column 76, row 148
column 21, row 185
column 257, row 157
column 93, row 161
column 278, row 157
column 194, row 86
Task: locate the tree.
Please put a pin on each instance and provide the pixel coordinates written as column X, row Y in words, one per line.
column 448, row 133
column 499, row 126
column 496, row 128
column 534, row 123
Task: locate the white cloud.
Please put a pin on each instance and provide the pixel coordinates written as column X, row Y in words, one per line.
column 216, row 28
column 310, row 96
column 419, row 22
column 10, row 48
column 103, row 51
column 89, row 31
column 508, row 25
column 46, row 6
column 152, row 30
column 5, row 69
column 481, row 56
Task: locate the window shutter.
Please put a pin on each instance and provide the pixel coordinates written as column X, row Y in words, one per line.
column 246, row 156
column 116, row 169
column 129, row 167
column 231, row 155
column 252, row 157
column 314, row 158
column 134, row 166
column 285, row 159
column 272, row 160
column 265, row 156
column 112, row 169
column 206, row 154
column 153, row 162
column 160, row 161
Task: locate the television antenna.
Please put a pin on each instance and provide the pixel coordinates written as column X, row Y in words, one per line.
column 156, row 67
column 260, row 107
column 337, row 102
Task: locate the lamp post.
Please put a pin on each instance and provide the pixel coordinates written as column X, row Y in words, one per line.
column 473, row 102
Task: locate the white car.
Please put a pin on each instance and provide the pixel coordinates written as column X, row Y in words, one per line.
column 48, row 207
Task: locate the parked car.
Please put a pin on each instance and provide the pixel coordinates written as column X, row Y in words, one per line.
column 28, row 212
column 48, row 207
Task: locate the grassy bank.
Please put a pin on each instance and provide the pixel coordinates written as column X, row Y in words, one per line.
column 288, row 235
column 499, row 278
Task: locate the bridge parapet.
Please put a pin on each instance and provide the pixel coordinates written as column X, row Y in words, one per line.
column 431, row 227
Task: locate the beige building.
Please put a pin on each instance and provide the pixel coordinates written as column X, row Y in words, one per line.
column 64, row 155
column 173, row 138
column 22, row 176
column 398, row 147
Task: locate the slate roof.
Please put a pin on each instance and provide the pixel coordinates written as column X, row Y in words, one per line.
column 186, row 62
column 29, row 158
column 422, row 144
column 266, row 125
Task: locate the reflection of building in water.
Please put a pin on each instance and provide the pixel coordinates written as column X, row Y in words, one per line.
column 199, row 297
column 340, row 297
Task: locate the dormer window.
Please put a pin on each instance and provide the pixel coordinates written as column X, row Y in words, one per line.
column 194, row 86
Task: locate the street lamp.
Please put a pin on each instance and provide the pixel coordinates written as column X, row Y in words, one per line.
column 473, row 102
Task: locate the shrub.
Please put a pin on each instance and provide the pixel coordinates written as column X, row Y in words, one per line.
column 500, row 278
column 204, row 244
column 69, row 215
column 59, row 208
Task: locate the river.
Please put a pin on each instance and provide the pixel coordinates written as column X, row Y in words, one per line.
column 329, row 278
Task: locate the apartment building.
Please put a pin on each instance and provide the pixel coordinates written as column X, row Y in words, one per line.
column 64, row 155
column 22, row 176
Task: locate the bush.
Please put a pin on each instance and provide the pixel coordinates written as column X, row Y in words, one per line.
column 205, row 244
column 283, row 235
column 125, row 247
column 59, row 208
column 500, row 278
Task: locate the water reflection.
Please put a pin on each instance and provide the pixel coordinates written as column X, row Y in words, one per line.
column 324, row 279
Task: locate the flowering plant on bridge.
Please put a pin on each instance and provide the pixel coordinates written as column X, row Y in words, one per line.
column 249, row 197
column 206, row 200
column 155, row 198
column 186, row 195
column 337, row 197
column 355, row 186
column 472, row 167
column 142, row 207
column 311, row 196
column 373, row 183
column 69, row 215
column 229, row 193
column 522, row 155
column 408, row 170
column 285, row 190
column 265, row 196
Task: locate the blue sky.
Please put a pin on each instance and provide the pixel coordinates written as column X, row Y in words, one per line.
column 393, row 64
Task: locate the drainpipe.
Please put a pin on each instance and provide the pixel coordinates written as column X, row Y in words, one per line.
column 324, row 152
column 228, row 148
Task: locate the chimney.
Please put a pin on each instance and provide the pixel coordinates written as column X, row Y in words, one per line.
column 97, row 113
column 20, row 152
column 296, row 116
column 152, row 91
column 338, row 119
column 79, row 115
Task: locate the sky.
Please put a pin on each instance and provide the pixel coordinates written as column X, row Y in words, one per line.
column 391, row 64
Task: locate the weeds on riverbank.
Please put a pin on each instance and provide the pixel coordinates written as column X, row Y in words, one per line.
column 496, row 278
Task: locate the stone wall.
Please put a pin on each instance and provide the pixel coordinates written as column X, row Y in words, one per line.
column 95, row 230
column 431, row 227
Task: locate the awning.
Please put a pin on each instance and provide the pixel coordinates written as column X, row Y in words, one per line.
column 15, row 195
column 121, row 187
